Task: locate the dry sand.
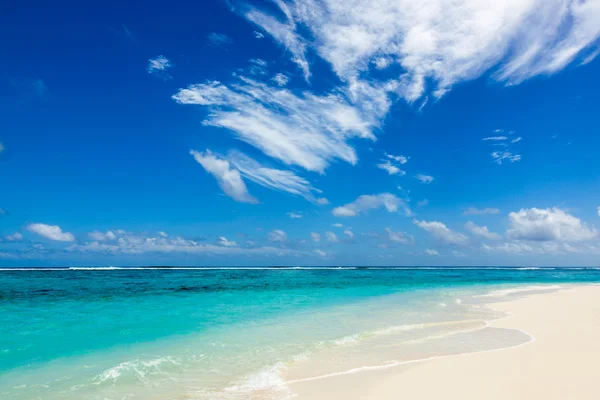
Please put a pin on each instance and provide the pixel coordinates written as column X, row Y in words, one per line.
column 563, row 362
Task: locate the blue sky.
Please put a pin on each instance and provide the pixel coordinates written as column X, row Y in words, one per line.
column 300, row 133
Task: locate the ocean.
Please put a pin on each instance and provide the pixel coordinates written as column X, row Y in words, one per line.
column 242, row 333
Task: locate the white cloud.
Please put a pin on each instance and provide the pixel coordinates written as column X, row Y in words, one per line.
column 321, row 253
column 442, row 233
column 496, row 138
column 424, row 178
column 315, row 237
column 281, row 79
column 100, row 236
column 391, row 168
column 457, row 253
column 400, row 159
column 283, row 32
column 158, row 66
column 8, row 256
column 383, row 62
column 547, row 225
column 369, row 202
column 227, row 243
column 132, row 244
column 423, row 203
column 294, row 215
column 516, row 140
column 338, row 225
column 229, row 179
column 278, row 235
column 229, row 172
column 546, row 247
column 52, row 232
column 15, row 237
column 399, row 237
column 510, row 248
column 219, row 39
column 275, row 179
column 349, row 233
column 258, row 67
column 437, row 41
column 431, row 252
column 298, row 129
column 322, row 201
column 598, row 210
column 482, row 231
column 331, row 237
column 500, row 156
column 258, row 35
column 483, row 211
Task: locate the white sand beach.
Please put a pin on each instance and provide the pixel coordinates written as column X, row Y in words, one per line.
column 560, row 362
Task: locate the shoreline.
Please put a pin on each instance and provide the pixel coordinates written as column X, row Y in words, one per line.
column 527, row 315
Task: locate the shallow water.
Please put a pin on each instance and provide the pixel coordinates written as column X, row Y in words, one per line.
column 240, row 333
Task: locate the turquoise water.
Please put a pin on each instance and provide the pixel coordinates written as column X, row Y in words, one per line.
column 236, row 333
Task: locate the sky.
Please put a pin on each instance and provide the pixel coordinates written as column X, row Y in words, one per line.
column 300, row 132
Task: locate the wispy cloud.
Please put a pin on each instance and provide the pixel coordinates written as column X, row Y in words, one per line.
column 219, row 39
column 258, row 35
column 278, row 235
column 281, row 79
column 399, row 159
column 399, row 237
column 228, row 178
column 294, row 215
column 424, row 178
column 495, row 138
column 298, row 129
column 15, row 237
column 390, row 168
column 272, row 178
column 500, row 156
column 158, row 66
column 481, row 211
column 231, row 170
column 482, row 231
column 331, row 237
column 508, row 145
column 222, row 241
column 438, row 41
column 370, row 202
